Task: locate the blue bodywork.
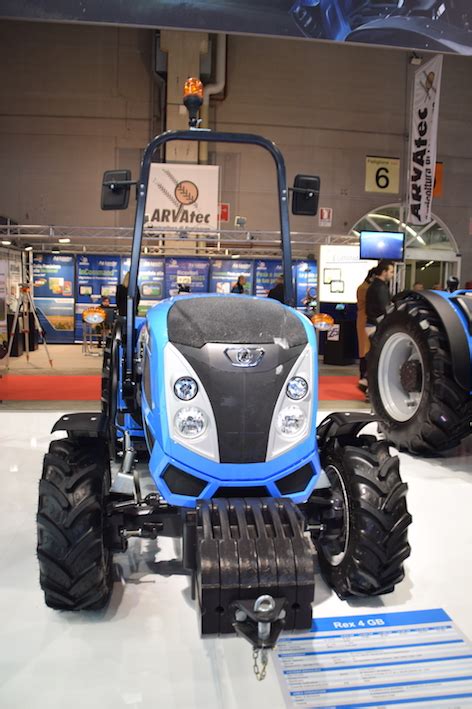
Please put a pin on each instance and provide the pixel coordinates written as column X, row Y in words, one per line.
column 165, row 451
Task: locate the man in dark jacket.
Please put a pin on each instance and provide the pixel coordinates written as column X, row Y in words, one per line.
column 277, row 292
column 378, row 295
column 377, row 300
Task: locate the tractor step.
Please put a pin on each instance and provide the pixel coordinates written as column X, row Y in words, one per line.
column 247, row 548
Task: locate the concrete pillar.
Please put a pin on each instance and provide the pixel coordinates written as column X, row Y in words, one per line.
column 183, row 60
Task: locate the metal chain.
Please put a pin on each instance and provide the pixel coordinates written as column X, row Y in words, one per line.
column 260, row 671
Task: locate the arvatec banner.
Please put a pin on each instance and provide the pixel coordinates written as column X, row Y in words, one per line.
column 423, row 140
column 436, row 25
column 183, row 197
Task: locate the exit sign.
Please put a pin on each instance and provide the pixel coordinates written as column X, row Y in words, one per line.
column 224, row 212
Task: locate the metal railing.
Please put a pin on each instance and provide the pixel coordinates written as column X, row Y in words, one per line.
column 166, row 242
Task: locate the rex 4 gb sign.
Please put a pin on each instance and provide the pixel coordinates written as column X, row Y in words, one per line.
column 183, row 196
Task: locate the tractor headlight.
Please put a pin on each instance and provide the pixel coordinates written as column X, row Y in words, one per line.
column 186, row 388
column 291, row 421
column 297, row 388
column 190, row 422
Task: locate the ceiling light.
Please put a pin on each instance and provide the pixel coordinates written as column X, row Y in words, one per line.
column 28, row 247
column 64, row 240
column 55, row 251
column 6, row 243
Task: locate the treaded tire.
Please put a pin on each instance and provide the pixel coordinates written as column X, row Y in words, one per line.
column 444, row 415
column 377, row 542
column 75, row 565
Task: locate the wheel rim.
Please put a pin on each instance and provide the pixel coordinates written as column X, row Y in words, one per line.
column 401, row 377
column 334, row 539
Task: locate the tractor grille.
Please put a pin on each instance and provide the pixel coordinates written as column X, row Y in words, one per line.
column 241, row 492
column 180, row 483
column 295, row 482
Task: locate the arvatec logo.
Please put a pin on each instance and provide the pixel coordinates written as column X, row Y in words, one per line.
column 183, row 198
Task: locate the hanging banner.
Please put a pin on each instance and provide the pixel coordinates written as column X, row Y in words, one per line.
column 150, row 281
column 190, row 274
column 3, row 308
column 53, row 280
column 266, row 276
column 97, row 278
column 224, row 275
column 183, row 197
column 423, row 139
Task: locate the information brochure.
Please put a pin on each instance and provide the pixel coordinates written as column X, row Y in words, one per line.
column 416, row 659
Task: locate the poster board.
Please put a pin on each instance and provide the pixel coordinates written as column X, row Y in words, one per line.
column 341, row 273
column 183, row 197
column 224, row 274
column 54, row 290
column 97, row 278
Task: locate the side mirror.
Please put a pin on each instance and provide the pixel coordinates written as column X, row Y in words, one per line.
column 306, row 195
column 115, row 189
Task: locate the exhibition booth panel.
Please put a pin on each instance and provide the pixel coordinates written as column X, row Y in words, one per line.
column 66, row 285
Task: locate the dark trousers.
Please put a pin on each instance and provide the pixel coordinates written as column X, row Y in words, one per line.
column 363, row 367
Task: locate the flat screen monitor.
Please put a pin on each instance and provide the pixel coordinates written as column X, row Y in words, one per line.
column 378, row 245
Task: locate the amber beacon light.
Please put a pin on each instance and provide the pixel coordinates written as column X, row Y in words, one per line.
column 193, row 87
column 193, row 99
column 322, row 321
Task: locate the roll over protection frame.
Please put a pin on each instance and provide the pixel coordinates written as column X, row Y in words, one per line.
column 198, row 135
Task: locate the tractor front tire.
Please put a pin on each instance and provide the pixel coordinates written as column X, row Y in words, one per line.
column 363, row 542
column 75, row 564
column 441, row 412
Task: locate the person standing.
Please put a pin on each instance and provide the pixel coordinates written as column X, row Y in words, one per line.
column 277, row 292
column 239, row 285
column 378, row 295
column 361, row 322
column 377, row 299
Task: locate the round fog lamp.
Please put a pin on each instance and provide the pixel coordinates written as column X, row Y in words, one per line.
column 297, row 388
column 291, row 421
column 190, row 422
column 185, row 388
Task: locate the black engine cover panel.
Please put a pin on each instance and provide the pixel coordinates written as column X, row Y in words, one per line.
column 242, row 398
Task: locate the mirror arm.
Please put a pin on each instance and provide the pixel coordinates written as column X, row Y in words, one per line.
column 115, row 185
column 302, row 190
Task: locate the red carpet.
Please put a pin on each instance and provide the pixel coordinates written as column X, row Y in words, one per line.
column 340, row 388
column 87, row 388
column 50, row 388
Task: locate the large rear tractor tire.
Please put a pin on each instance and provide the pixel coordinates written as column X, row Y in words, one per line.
column 363, row 541
column 75, row 564
column 411, row 384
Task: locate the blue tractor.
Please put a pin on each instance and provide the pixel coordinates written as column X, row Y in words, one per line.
column 420, row 374
column 215, row 397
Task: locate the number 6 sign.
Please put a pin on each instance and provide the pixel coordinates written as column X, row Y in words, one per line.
column 382, row 174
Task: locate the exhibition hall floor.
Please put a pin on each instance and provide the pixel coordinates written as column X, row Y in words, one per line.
column 144, row 650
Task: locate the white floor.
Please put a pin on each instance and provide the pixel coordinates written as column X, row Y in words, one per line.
column 144, row 650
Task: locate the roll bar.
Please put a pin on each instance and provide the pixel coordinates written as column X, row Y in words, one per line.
column 199, row 135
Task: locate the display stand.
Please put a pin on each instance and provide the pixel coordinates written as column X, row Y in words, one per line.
column 340, row 343
column 27, row 312
column 89, row 344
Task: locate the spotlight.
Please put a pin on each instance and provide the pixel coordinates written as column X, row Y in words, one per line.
column 6, row 243
column 64, row 240
column 28, row 247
